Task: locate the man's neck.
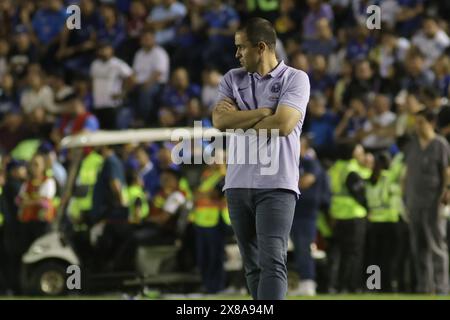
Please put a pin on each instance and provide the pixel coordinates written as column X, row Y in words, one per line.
column 428, row 135
column 267, row 66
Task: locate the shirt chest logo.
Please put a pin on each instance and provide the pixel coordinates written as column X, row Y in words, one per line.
column 275, row 88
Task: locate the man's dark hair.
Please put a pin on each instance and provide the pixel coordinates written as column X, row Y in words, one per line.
column 260, row 30
column 427, row 114
column 430, row 92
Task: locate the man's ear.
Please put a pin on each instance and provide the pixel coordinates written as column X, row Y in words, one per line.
column 262, row 47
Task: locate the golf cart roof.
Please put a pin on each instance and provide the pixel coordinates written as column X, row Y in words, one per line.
column 99, row 138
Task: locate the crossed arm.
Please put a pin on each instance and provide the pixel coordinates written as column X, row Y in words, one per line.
column 226, row 115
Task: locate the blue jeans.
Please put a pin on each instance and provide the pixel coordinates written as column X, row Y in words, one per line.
column 303, row 235
column 262, row 220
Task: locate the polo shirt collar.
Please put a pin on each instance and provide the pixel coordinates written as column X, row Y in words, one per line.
column 274, row 73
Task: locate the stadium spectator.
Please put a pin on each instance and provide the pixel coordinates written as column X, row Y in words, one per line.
column 380, row 119
column 74, row 118
column 320, row 125
column 364, row 81
column 389, row 53
column 23, row 53
column 210, row 86
column 164, row 17
column 37, row 96
column 112, row 29
column 135, row 26
column 221, row 22
column 316, row 9
column 112, row 78
column 9, row 101
column 409, row 16
column 352, row 122
column 417, row 75
column 151, row 65
column 442, row 71
column 178, row 93
column 322, row 44
column 320, row 80
column 77, row 47
column 431, row 40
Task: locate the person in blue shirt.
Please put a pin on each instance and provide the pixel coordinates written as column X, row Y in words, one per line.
column 409, row 17
column 303, row 231
column 108, row 199
column 221, row 22
column 47, row 25
column 77, row 46
column 320, row 125
column 112, row 29
column 179, row 92
column 49, row 21
column 148, row 172
column 9, row 101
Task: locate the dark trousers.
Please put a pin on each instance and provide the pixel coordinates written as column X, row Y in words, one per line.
column 428, row 231
column 404, row 268
column 210, row 245
column 303, row 234
column 262, row 220
column 107, row 117
column 382, row 251
column 346, row 254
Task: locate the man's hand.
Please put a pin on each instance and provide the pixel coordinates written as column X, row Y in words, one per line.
column 227, row 104
column 226, row 115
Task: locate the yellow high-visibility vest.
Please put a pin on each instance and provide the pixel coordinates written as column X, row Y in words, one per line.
column 382, row 199
column 343, row 205
column 136, row 192
column 207, row 211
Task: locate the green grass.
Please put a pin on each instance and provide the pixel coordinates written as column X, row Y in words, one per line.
column 246, row 297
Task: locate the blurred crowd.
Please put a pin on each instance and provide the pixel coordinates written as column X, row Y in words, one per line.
column 158, row 63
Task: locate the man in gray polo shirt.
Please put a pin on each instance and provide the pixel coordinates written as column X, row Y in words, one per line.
column 263, row 95
column 427, row 160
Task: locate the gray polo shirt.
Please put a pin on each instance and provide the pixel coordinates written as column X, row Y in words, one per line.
column 424, row 176
column 284, row 85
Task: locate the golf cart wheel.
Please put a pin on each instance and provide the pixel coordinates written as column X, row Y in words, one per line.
column 49, row 279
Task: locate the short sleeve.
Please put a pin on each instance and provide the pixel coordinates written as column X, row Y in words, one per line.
column 225, row 87
column 163, row 62
column 296, row 92
column 48, row 189
column 445, row 154
column 125, row 70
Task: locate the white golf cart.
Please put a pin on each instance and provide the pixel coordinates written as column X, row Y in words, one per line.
column 46, row 261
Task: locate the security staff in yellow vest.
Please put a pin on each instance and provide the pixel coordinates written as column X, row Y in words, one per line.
column 210, row 218
column 385, row 205
column 348, row 211
column 81, row 202
column 138, row 205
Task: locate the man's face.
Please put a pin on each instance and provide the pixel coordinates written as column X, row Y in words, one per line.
column 105, row 53
column 180, row 79
column 246, row 52
column 422, row 125
column 430, row 28
column 148, row 40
